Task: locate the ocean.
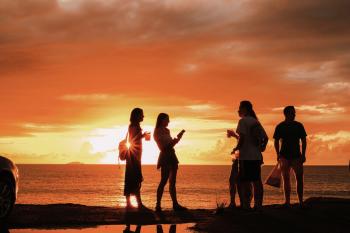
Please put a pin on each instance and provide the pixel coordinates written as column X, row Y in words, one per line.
column 197, row 186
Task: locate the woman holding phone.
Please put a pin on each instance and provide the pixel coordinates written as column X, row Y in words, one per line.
column 167, row 160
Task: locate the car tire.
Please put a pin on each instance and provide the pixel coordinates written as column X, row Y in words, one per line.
column 7, row 197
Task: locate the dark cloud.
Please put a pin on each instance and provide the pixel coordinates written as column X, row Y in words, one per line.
column 311, row 30
column 240, row 50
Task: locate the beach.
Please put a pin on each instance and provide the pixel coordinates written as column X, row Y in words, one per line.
column 319, row 215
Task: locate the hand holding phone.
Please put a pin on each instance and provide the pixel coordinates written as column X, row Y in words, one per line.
column 180, row 134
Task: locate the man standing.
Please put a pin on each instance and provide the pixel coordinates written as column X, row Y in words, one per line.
column 291, row 133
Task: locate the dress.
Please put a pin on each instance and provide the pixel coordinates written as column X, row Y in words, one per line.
column 167, row 157
column 133, row 172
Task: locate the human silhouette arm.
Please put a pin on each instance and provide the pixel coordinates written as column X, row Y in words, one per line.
column 231, row 133
column 164, row 139
column 178, row 138
column 241, row 131
column 241, row 139
column 303, row 149
column 277, row 148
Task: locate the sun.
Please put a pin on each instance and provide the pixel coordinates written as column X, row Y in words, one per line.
column 150, row 152
column 106, row 141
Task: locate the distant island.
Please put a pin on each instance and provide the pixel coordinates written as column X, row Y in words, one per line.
column 75, row 163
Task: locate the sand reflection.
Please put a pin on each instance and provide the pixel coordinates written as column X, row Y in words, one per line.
column 166, row 228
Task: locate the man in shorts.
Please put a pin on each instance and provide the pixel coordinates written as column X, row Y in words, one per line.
column 289, row 154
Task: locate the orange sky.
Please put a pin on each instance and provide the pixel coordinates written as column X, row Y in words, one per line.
column 72, row 70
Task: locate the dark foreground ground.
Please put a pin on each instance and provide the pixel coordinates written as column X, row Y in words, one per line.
column 320, row 215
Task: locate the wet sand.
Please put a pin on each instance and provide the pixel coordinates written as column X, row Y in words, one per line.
column 319, row 215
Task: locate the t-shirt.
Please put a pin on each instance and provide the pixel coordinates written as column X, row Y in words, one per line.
column 249, row 149
column 290, row 132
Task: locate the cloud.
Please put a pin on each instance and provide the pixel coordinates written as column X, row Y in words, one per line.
column 88, row 63
column 202, row 107
column 91, row 97
column 340, row 137
column 332, row 108
column 219, row 154
column 337, row 86
column 330, row 148
column 309, row 73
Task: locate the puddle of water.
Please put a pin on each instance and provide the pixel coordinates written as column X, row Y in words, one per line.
column 165, row 228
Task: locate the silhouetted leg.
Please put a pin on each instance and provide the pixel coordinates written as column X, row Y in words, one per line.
column 172, row 229
column 159, row 229
column 240, row 193
column 299, row 177
column 172, row 185
column 138, row 229
column 138, row 198
column 128, row 202
column 285, row 168
column 127, row 229
column 233, row 183
column 245, row 187
column 232, row 194
column 163, row 181
column 258, row 193
column 249, row 193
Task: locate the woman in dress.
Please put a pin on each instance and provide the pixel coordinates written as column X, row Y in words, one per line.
column 133, row 172
column 167, row 161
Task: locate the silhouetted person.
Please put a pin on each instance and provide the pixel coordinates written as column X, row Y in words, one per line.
column 167, row 161
column 233, row 181
column 250, row 157
column 133, row 172
column 291, row 133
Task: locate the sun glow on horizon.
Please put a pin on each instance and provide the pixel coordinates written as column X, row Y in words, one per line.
column 106, row 141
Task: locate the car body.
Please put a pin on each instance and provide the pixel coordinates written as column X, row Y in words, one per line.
column 9, row 177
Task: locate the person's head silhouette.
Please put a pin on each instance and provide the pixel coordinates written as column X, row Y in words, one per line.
column 246, row 109
column 136, row 116
column 289, row 113
column 162, row 120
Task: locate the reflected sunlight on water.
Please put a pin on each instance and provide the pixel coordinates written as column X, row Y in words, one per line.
column 197, row 186
column 179, row 228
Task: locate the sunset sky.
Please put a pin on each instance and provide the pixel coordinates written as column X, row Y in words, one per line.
column 71, row 71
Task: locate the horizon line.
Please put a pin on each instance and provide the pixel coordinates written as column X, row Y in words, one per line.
column 307, row 165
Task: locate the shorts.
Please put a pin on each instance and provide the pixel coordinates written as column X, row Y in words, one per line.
column 295, row 164
column 249, row 170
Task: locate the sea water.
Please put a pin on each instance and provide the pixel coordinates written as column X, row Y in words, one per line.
column 197, row 186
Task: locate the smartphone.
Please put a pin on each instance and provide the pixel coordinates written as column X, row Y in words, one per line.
column 181, row 133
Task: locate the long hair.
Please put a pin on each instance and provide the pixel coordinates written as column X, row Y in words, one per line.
column 162, row 116
column 246, row 104
column 135, row 116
